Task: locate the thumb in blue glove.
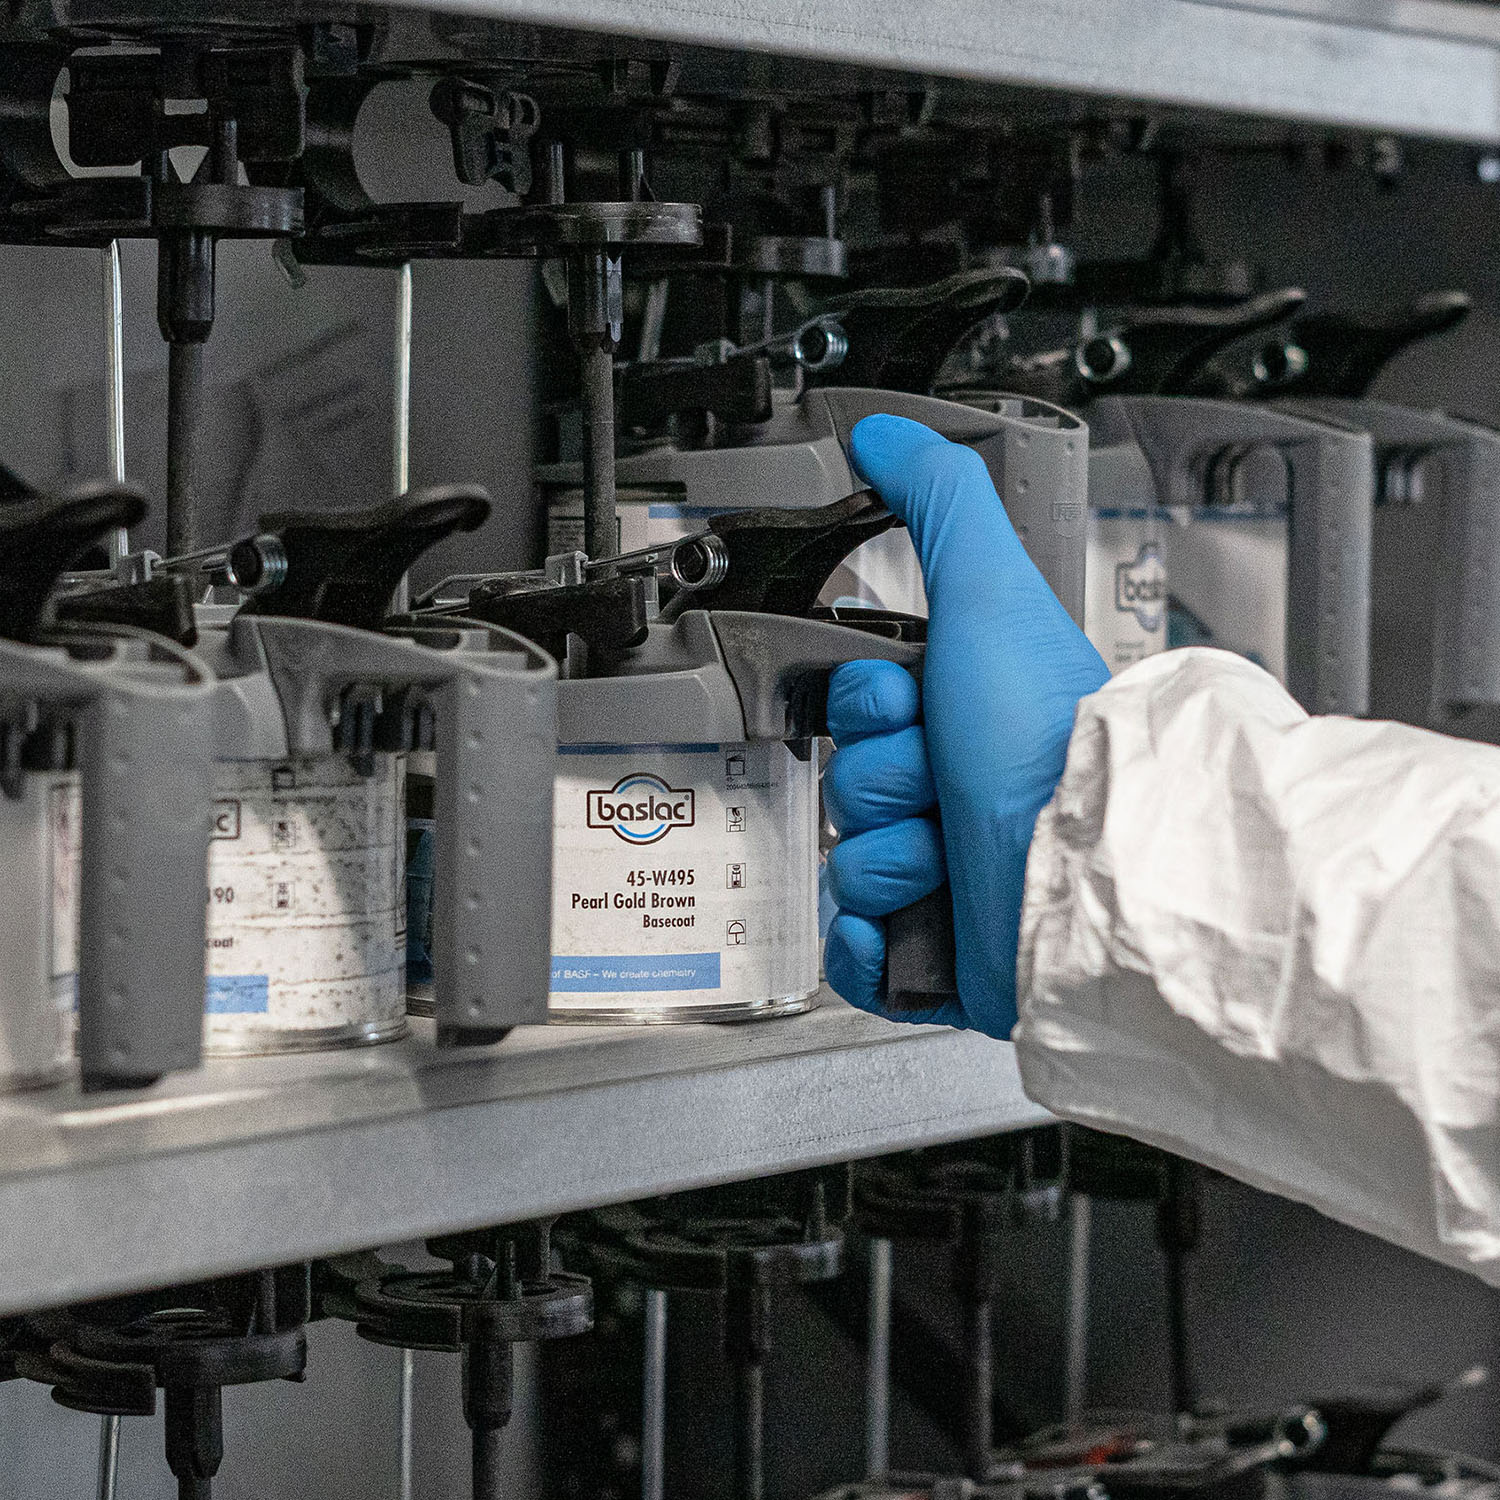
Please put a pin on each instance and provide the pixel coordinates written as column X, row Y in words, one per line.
column 986, row 743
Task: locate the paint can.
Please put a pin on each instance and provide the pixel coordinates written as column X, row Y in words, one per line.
column 306, row 912
column 684, row 884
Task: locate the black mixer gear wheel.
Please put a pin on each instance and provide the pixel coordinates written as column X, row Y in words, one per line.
column 189, row 1343
column 499, row 1290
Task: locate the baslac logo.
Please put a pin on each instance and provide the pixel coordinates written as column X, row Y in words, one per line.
column 1141, row 587
column 641, row 808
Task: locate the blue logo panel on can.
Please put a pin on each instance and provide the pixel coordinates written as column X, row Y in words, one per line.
column 650, row 971
column 237, row 994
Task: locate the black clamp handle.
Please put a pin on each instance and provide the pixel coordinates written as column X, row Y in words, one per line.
column 899, row 337
column 779, row 560
column 343, row 567
column 42, row 537
column 738, row 390
column 606, row 614
column 1342, row 353
column 1149, row 351
column 162, row 604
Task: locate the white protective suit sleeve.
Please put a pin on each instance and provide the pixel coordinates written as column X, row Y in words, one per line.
column 1271, row 943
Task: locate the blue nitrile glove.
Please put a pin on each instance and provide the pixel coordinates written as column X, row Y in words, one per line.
column 985, row 740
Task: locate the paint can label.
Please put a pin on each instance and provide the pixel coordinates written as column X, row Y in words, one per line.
column 1125, row 588
column 65, row 862
column 306, row 907
column 41, row 865
column 684, row 878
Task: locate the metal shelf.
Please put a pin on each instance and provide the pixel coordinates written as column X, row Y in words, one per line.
column 1417, row 67
column 258, row 1161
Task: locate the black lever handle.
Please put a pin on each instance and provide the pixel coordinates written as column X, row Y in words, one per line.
column 739, row 390
column 607, row 614
column 1170, row 345
column 779, row 560
column 1344, row 353
column 163, row 605
column 13, row 487
column 343, row 567
column 1150, row 351
column 42, row 537
column 899, row 337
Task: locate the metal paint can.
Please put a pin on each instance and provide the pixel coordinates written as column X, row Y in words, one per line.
column 41, row 847
column 306, row 906
column 684, row 885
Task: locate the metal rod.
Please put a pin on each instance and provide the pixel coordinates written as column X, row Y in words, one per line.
column 1184, row 1396
column 405, row 1393
column 596, row 318
column 114, row 381
column 1076, row 1379
column 401, row 412
column 600, row 537
column 979, row 1392
column 654, row 1397
column 487, row 1463
column 109, row 1457
column 184, row 418
column 878, row 1363
column 401, row 386
column 749, row 1428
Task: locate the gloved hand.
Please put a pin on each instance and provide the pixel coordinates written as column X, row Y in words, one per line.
column 984, row 740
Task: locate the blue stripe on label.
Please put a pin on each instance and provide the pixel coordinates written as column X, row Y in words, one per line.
column 1225, row 516
column 652, row 971
column 237, row 994
column 633, row 749
column 670, row 512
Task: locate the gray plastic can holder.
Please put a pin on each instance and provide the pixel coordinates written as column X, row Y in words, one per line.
column 721, row 675
column 496, row 723
column 146, row 749
column 1330, row 499
column 1441, row 550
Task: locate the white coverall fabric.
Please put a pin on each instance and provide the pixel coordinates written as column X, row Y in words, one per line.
column 1271, row 943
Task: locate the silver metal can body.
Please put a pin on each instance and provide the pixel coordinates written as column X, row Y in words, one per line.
column 306, row 907
column 40, row 871
column 685, row 880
